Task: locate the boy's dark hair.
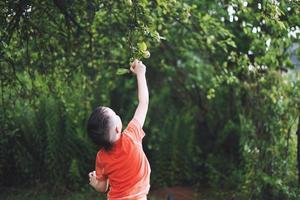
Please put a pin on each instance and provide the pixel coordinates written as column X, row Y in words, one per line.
column 98, row 128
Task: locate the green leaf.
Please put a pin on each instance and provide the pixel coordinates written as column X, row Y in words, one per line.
column 281, row 25
column 122, row 71
column 231, row 43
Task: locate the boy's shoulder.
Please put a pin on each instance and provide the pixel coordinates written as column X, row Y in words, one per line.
column 134, row 131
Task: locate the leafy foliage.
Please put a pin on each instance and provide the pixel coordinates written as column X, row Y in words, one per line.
column 223, row 111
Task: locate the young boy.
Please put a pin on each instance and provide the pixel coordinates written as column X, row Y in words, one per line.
column 121, row 162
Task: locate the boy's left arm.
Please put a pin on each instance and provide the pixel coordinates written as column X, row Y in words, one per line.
column 99, row 185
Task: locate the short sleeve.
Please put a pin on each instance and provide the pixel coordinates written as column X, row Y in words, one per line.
column 99, row 169
column 135, row 130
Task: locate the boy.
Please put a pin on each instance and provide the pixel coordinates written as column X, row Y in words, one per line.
column 121, row 161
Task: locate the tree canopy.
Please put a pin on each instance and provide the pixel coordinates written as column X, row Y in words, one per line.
column 224, row 94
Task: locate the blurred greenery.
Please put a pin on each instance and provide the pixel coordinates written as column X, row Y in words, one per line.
column 224, row 93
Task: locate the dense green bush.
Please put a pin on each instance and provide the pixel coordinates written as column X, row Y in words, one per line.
column 47, row 141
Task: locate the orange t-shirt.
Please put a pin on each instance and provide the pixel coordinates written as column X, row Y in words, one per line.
column 126, row 165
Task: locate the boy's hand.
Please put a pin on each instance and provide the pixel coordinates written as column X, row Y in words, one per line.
column 137, row 67
column 99, row 185
column 93, row 180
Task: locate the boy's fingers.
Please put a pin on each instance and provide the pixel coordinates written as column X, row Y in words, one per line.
column 133, row 63
column 137, row 61
column 131, row 69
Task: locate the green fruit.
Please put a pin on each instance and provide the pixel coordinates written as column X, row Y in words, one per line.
column 129, row 2
column 146, row 54
column 142, row 46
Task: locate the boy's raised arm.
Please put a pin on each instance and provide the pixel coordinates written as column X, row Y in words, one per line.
column 139, row 69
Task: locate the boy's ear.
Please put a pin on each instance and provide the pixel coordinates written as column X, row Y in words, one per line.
column 117, row 129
